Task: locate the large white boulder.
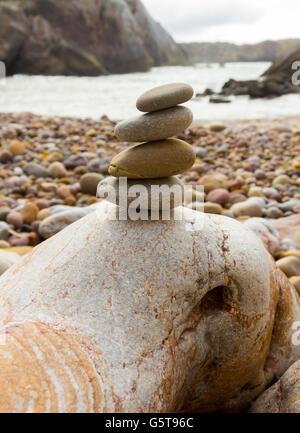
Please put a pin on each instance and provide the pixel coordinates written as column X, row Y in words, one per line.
column 143, row 316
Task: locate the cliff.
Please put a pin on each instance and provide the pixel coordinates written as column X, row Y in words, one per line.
column 82, row 37
column 266, row 51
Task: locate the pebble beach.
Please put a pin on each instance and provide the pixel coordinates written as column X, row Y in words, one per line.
column 149, row 210
column 51, row 166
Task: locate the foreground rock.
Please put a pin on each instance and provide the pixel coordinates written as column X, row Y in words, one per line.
column 177, row 313
column 52, row 38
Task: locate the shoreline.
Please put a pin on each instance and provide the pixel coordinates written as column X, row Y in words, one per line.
column 291, row 120
column 196, row 122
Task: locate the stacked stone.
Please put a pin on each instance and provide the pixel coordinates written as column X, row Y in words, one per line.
column 158, row 158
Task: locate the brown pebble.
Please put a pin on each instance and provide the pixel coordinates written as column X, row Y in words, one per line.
column 29, row 212
column 70, row 200
column 5, row 156
column 43, row 214
column 57, row 170
column 19, row 241
column 220, row 195
column 42, row 203
column 154, row 159
column 16, row 147
column 63, row 191
column 155, row 126
column 15, row 219
column 165, row 96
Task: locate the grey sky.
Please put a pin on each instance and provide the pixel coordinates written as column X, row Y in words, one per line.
column 236, row 21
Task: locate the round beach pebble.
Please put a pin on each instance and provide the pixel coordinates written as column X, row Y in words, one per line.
column 36, row 170
column 217, row 127
column 21, row 240
column 122, row 195
column 43, row 214
column 42, row 203
column 214, row 181
column 63, row 191
column 153, row 160
column 289, row 265
column 220, row 196
column 290, row 252
column 282, row 179
column 248, row 208
column 214, row 208
column 15, row 219
column 296, row 162
column 16, row 148
column 165, row 96
column 61, row 217
column 255, row 192
column 57, row 170
column 274, row 212
column 29, row 213
column 155, row 126
column 5, row 156
column 89, row 183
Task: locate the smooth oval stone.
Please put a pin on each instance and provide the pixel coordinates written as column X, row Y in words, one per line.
column 165, row 96
column 89, row 183
column 120, row 191
column 155, row 126
column 153, row 160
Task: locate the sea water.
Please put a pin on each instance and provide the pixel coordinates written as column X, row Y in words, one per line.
column 115, row 95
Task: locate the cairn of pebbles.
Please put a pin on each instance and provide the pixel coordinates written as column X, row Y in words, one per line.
column 157, row 158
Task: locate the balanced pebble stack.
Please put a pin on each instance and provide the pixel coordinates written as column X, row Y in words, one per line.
column 157, row 158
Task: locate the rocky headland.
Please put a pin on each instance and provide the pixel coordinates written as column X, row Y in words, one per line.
column 222, row 52
column 83, row 38
column 275, row 81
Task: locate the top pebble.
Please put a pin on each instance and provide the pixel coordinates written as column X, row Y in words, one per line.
column 165, row 96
